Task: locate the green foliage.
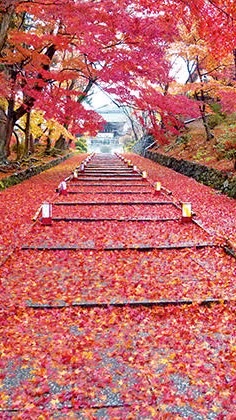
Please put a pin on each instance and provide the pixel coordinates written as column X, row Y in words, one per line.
column 81, row 145
column 217, row 117
column 214, row 120
column 216, row 107
column 184, row 139
column 200, row 154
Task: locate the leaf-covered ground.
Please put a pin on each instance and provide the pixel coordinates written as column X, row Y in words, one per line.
column 120, row 362
column 196, row 148
column 109, row 319
column 216, row 211
column 86, row 276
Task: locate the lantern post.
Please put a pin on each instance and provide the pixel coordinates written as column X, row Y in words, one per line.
column 62, row 188
column 81, row 168
column 46, row 218
column 144, row 175
column 157, row 187
column 75, row 174
column 186, row 212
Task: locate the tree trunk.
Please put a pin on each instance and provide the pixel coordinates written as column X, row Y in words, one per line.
column 132, row 126
column 49, row 142
column 61, row 143
column 5, row 24
column 48, row 145
column 10, row 118
column 3, row 122
column 202, row 107
column 9, row 125
column 27, row 134
column 18, row 151
column 209, row 135
column 31, row 145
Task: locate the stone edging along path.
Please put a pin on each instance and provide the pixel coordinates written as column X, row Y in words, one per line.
column 20, row 176
column 225, row 182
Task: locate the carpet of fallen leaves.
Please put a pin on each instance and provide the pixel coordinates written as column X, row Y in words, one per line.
column 216, row 210
column 86, row 331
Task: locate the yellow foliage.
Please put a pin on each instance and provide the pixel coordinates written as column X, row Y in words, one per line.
column 56, row 130
column 3, row 103
column 38, row 125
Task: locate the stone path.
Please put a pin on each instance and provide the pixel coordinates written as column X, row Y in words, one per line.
column 117, row 308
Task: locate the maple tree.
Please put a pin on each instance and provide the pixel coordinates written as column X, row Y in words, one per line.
column 211, row 70
column 51, row 64
column 195, row 41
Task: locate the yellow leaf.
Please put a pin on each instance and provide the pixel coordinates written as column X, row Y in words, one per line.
column 153, row 411
column 88, row 355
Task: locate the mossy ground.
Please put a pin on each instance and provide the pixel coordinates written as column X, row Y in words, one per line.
column 192, row 145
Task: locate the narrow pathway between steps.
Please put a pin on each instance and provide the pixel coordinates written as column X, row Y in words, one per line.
column 116, row 305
